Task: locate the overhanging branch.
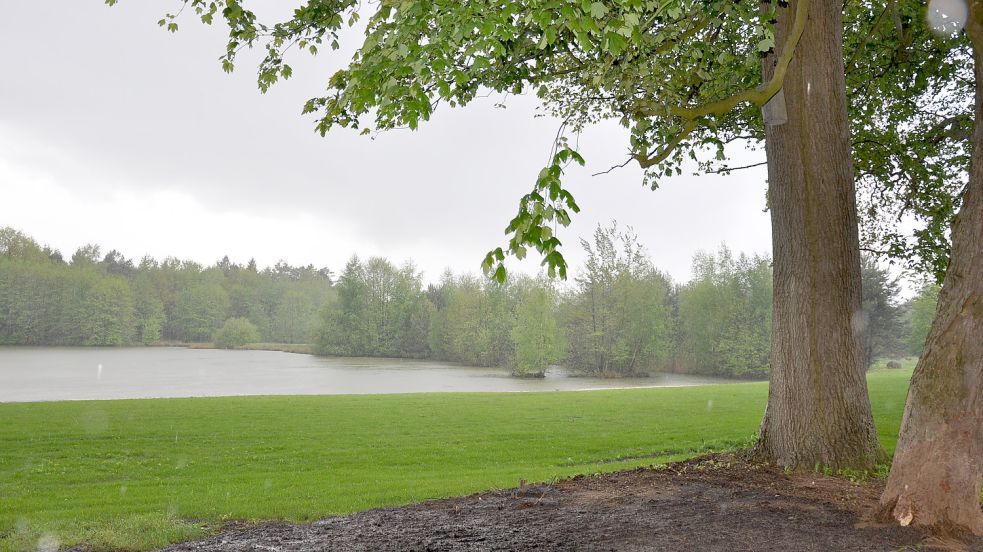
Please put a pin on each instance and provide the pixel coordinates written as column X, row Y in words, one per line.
column 646, row 161
column 758, row 95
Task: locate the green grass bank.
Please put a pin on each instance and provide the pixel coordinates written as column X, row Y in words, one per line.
column 298, row 348
column 136, row 474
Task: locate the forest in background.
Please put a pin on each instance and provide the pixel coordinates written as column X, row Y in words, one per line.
column 620, row 316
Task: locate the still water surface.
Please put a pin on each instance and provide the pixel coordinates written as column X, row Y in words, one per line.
column 54, row 374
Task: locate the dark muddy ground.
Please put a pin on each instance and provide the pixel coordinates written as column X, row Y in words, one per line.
column 708, row 505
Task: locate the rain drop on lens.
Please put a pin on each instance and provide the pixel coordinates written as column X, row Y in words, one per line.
column 48, row 543
column 859, row 322
column 947, row 17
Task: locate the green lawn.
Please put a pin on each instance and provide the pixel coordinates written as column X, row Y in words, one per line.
column 141, row 473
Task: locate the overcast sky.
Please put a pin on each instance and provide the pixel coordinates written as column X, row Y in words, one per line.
column 115, row 132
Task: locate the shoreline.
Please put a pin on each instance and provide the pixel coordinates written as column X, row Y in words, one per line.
column 294, row 348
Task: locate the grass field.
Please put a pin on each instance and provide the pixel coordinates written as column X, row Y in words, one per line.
column 136, row 474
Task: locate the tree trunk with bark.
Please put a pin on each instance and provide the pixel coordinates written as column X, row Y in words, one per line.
column 938, row 464
column 818, row 410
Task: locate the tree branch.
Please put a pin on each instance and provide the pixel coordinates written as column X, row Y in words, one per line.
column 615, row 167
column 728, row 170
column 645, row 161
column 758, row 95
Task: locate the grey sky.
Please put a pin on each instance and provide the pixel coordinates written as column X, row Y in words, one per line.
column 113, row 131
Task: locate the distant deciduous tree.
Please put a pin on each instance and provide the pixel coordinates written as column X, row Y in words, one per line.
column 617, row 320
column 199, row 311
column 235, row 332
column 14, row 244
column 148, row 309
column 86, row 255
column 475, row 322
column 725, row 315
column 376, row 307
column 536, row 335
column 920, row 313
column 292, row 321
column 106, row 313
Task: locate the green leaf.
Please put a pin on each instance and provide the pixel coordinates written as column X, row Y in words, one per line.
column 500, row 274
column 615, row 43
column 598, row 10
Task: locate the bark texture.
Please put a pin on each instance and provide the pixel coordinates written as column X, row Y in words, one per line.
column 818, row 410
column 938, row 464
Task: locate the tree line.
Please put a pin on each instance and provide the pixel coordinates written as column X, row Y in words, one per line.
column 620, row 316
column 95, row 299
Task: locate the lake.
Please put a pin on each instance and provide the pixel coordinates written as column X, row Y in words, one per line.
column 55, row 374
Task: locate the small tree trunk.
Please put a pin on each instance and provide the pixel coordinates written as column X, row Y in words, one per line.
column 818, row 411
column 938, row 465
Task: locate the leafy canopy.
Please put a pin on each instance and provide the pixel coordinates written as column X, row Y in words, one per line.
column 911, row 108
column 665, row 68
column 684, row 76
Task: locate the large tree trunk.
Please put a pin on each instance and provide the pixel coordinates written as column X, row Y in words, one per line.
column 818, row 411
column 938, row 465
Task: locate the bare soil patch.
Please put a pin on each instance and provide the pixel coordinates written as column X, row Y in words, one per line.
column 717, row 503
